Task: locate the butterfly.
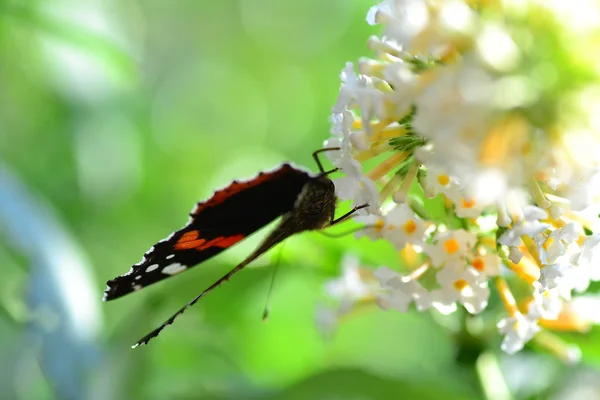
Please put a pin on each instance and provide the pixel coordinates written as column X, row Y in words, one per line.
column 304, row 201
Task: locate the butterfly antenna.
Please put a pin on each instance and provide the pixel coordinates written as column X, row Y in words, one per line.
column 267, row 309
column 318, row 161
column 168, row 322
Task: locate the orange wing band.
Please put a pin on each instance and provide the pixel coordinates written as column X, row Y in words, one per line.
column 191, row 240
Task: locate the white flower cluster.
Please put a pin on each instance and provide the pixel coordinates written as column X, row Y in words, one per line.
column 479, row 161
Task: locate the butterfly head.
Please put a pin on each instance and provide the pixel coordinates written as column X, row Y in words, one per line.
column 315, row 206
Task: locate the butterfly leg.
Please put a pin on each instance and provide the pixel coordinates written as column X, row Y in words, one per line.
column 318, row 161
column 348, row 214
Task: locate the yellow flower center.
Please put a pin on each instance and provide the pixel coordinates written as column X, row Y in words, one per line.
column 548, row 243
column 443, row 179
column 410, row 227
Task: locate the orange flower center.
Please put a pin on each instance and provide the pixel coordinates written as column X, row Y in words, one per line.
column 478, row 264
column 460, row 285
column 468, row 203
column 451, row 246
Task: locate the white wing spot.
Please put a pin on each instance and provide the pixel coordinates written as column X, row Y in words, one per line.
column 138, row 277
column 173, row 269
column 137, row 287
column 152, row 268
column 170, row 256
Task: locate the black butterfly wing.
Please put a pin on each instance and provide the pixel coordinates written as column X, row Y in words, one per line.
column 229, row 216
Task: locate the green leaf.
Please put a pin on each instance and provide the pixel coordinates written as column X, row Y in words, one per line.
column 357, row 384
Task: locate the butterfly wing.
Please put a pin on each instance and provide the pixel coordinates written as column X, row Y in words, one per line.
column 229, row 216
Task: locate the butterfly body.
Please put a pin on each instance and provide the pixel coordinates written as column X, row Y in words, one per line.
column 227, row 217
column 313, row 209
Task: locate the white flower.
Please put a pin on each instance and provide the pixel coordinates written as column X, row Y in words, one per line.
column 421, row 26
column 403, row 19
column 403, row 226
column 517, row 331
column 395, row 299
column 587, row 263
column 572, row 270
column 554, row 276
column 361, row 190
column 554, row 246
column 373, row 226
column 444, row 301
column 463, row 285
column 406, row 86
column 582, row 189
column 343, row 158
column 450, row 246
column 466, row 207
column 350, row 287
column 399, row 226
column 515, row 254
column 528, row 225
column 439, row 181
column 587, row 308
column 354, row 186
column 357, row 90
column 546, row 304
column 486, row 264
column 400, row 291
column 341, row 124
column 447, row 107
column 326, row 319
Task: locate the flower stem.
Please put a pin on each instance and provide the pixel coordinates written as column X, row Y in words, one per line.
column 510, row 304
column 492, row 380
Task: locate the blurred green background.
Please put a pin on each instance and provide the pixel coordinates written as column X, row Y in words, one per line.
column 115, row 118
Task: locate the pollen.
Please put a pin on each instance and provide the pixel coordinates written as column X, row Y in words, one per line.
column 460, row 285
column 443, row 179
column 451, row 246
column 548, row 243
column 379, row 224
column 409, row 227
column 478, row 264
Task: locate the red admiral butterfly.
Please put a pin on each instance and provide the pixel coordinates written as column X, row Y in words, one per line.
column 303, row 200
